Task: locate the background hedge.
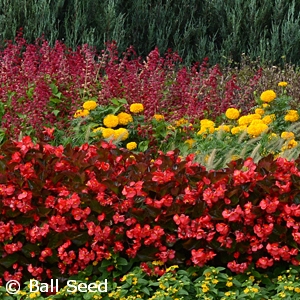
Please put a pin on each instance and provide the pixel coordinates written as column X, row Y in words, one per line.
column 219, row 29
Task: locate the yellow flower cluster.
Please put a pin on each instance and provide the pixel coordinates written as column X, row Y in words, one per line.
column 268, row 96
column 124, row 118
column 206, row 126
column 90, row 105
column 259, row 111
column 246, row 120
column 190, row 143
column 225, row 128
column 136, row 108
column 256, row 128
column 232, row 113
column 238, row 129
column 287, row 135
column 180, row 122
column 292, row 116
column 111, row 121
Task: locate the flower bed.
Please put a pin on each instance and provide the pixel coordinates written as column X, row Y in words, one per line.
column 143, row 168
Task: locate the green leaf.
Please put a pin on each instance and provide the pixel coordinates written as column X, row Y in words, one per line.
column 145, row 291
column 122, row 261
column 55, row 112
column 28, row 248
column 143, row 146
column 9, row 260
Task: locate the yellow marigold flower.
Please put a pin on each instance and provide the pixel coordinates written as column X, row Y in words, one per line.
column 190, row 142
column 124, row 118
column 131, row 145
column 282, row 83
column 98, row 129
column 268, row 119
column 265, row 105
column 121, row 133
column 81, row 113
column 90, row 105
column 238, row 129
column 136, row 107
column 287, row 135
column 205, row 130
column 111, row 121
column 257, row 129
column 246, row 120
column 259, row 111
column 225, row 128
column 292, row 116
column 108, row 133
column 232, row 113
column 207, row 123
column 268, row 96
column 158, row 117
column 292, row 143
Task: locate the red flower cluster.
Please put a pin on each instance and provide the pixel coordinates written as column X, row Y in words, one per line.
column 71, row 208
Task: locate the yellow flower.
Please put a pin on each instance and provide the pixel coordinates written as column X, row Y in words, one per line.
column 136, row 107
column 121, row 133
column 205, row 130
column 238, row 129
column 272, row 136
column 265, row 105
column 268, row 96
column 246, row 120
column 108, row 133
column 257, row 129
column 90, row 105
column 158, row 263
column 111, row 121
column 246, row 290
column 158, row 117
column 292, row 116
column 98, row 129
column 297, row 290
column 282, row 83
column 124, row 118
column 225, row 128
column 215, row 281
column 190, row 142
column 180, row 122
column 205, row 288
column 134, row 280
column 227, row 294
column 287, row 135
column 255, row 290
column 131, row 145
column 259, row 111
column 81, row 113
column 268, row 119
column 229, row 284
column 235, row 157
column 232, row 113
column 207, row 123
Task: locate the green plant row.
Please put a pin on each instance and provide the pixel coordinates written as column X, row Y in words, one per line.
column 217, row 29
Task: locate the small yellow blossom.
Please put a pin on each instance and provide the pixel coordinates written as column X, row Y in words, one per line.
column 282, row 83
column 287, row 135
column 131, row 145
column 136, row 108
column 90, row 105
column 81, row 113
column 159, row 117
column 259, row 111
